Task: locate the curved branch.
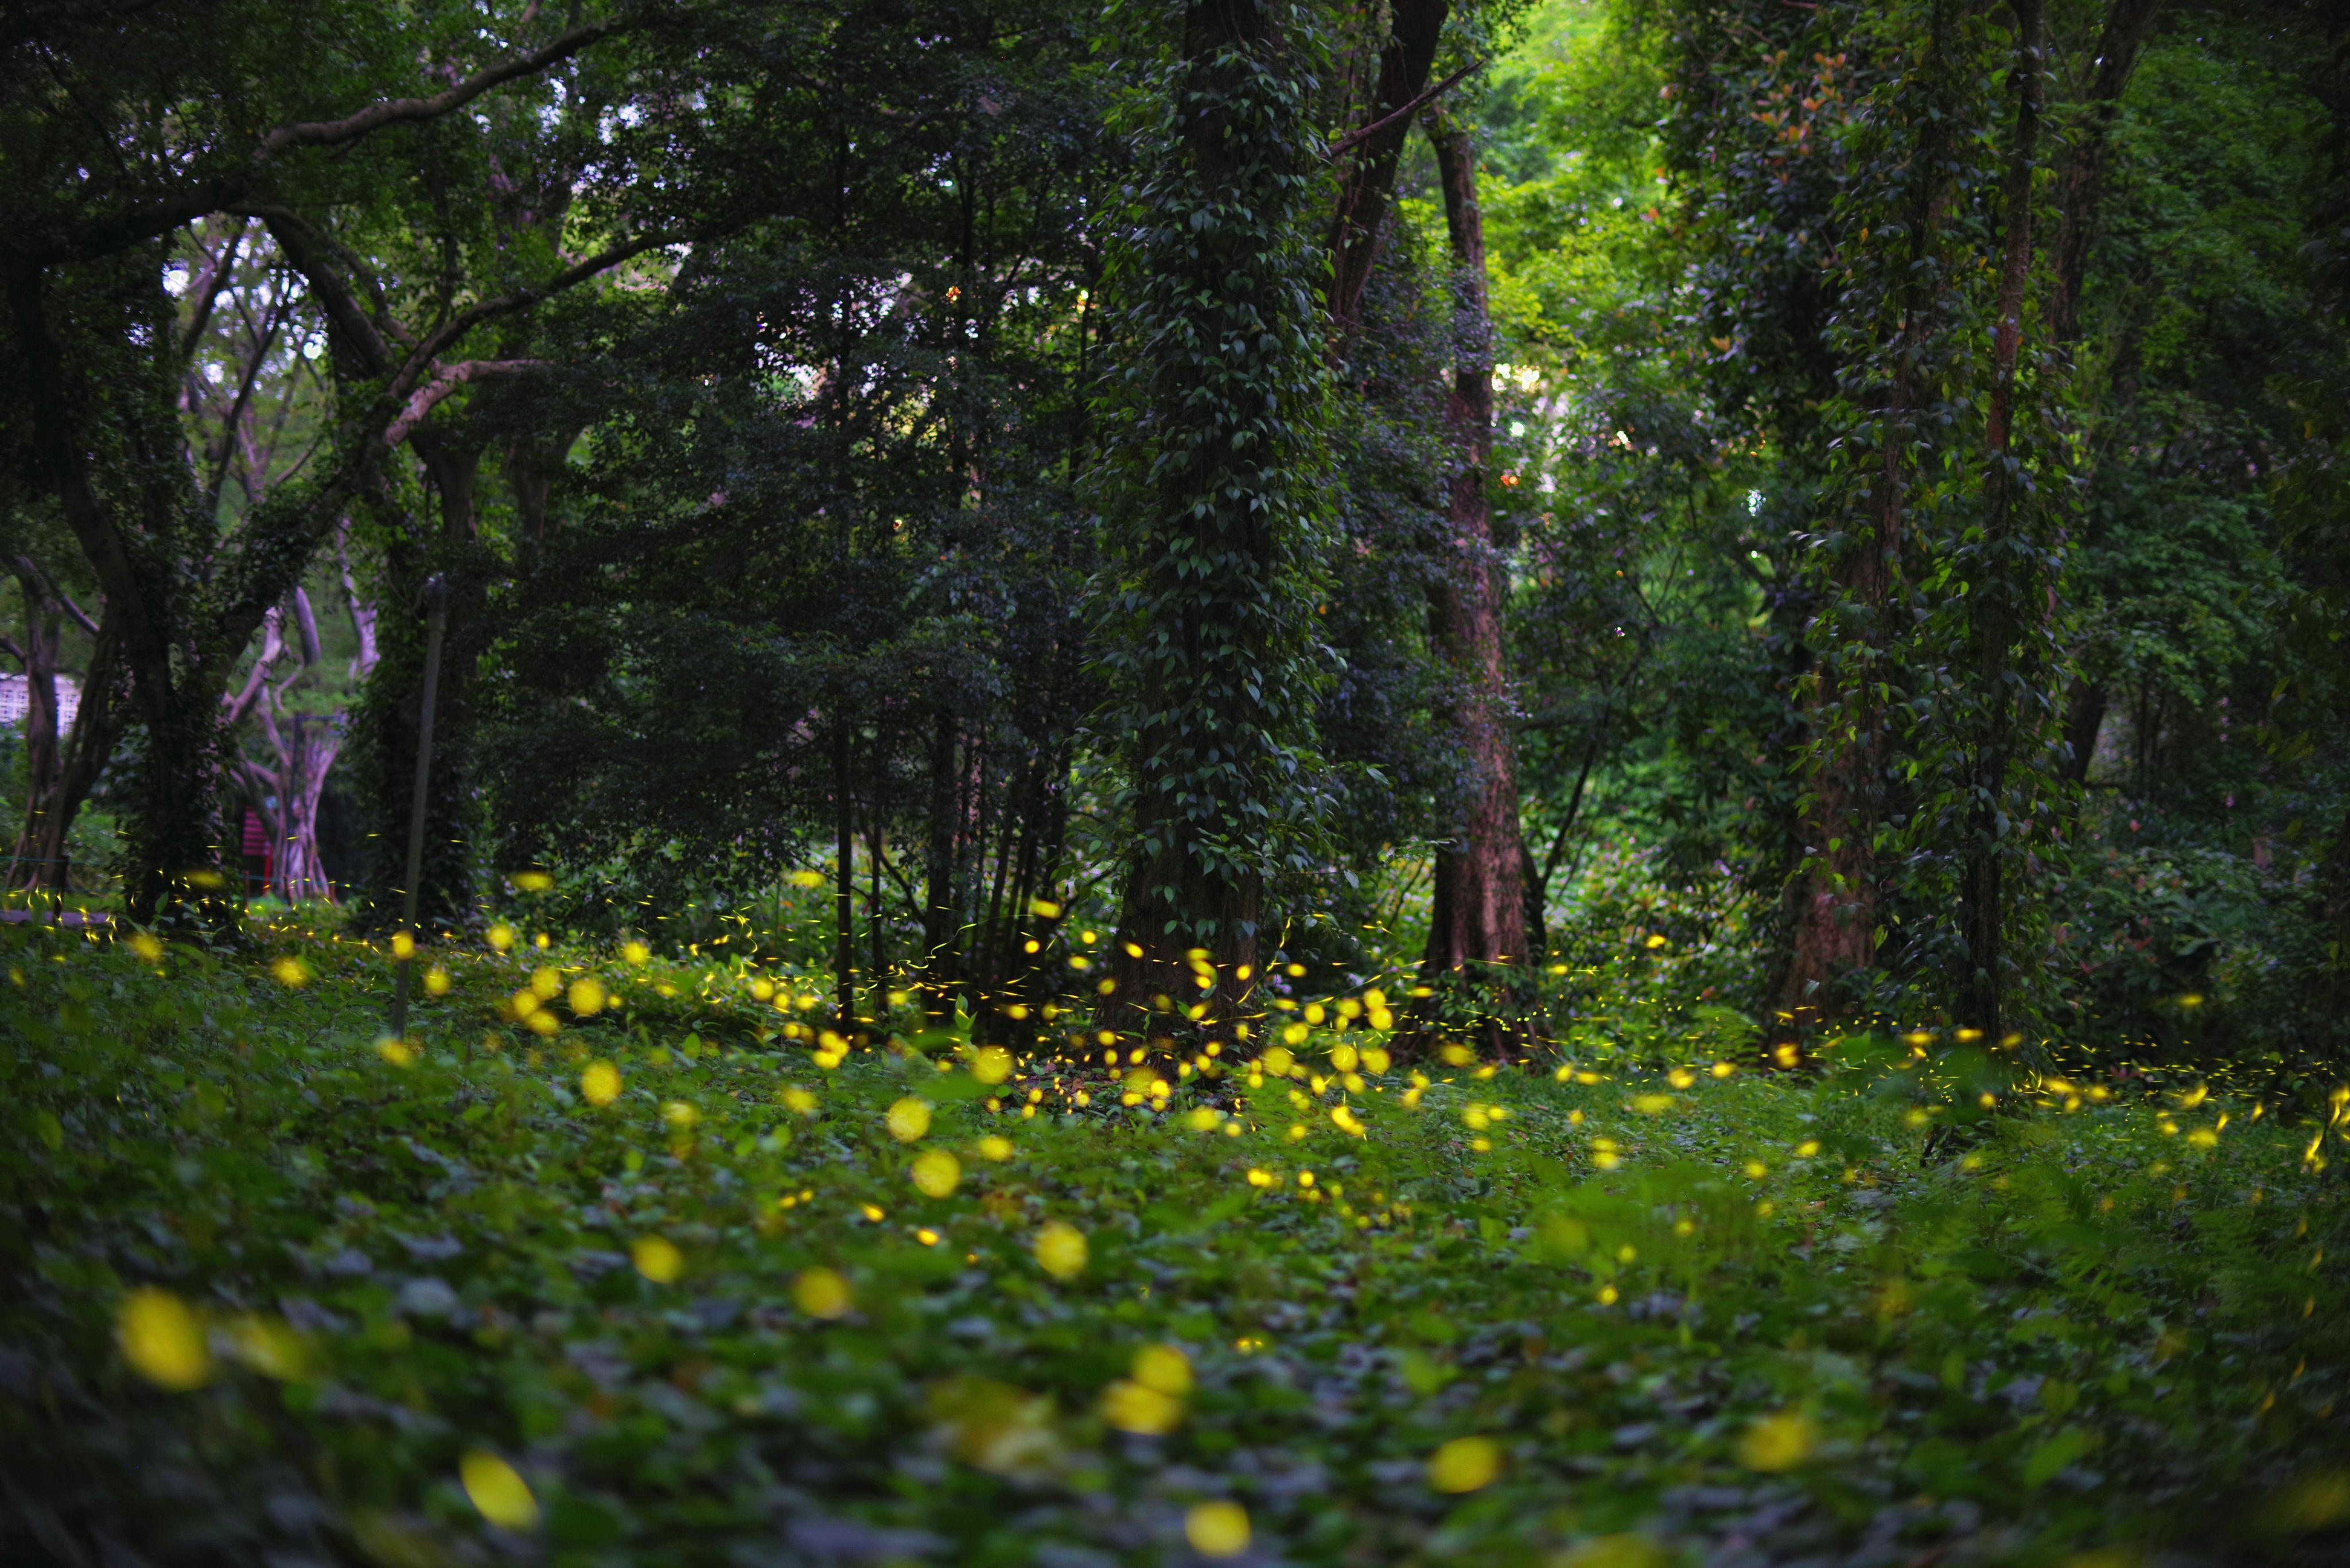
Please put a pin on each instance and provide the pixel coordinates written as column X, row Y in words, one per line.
column 305, row 250
column 473, row 316
column 447, row 381
column 406, row 111
column 1397, row 117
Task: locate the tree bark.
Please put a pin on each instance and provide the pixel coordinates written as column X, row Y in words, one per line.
column 939, row 859
column 2080, row 175
column 1829, row 908
column 385, row 723
column 1232, row 396
column 44, row 756
column 2085, row 717
column 1368, row 183
column 1479, row 901
column 843, row 807
column 1995, row 609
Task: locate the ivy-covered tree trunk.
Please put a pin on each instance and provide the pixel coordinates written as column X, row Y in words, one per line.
column 1894, row 334
column 1222, row 521
column 1999, row 604
column 1477, row 915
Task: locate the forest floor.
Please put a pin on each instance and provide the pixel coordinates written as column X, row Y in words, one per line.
column 279, row 1292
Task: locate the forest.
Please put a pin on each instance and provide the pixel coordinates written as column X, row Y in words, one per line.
column 1560, row 784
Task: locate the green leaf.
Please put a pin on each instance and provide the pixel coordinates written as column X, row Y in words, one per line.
column 2054, row 1453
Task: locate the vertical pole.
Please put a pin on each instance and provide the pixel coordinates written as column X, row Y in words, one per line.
column 845, row 886
column 873, row 877
column 436, row 596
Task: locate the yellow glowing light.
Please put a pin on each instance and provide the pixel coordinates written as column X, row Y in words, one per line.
column 936, row 1173
column 1164, row 1369
column 1779, row 1443
column 909, row 1119
column 991, row 1064
column 499, row 936
column 290, row 972
column 992, row 1148
column 636, row 954
column 495, row 1489
column 587, row 996
column 1465, row 1464
column 163, row 1340
column 1217, row 1528
column 436, row 981
column 1131, row 1407
column 531, row 881
column 1061, row 1249
column 658, row 1259
column 821, row 1293
column 600, row 1085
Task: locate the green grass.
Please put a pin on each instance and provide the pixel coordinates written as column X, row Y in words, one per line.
column 2089, row 1336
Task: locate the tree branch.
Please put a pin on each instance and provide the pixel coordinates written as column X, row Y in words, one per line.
column 306, row 252
column 407, row 111
column 446, row 383
column 1355, row 138
column 207, row 286
column 465, row 320
column 29, row 567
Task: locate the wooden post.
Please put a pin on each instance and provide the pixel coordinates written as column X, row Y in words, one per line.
column 436, row 597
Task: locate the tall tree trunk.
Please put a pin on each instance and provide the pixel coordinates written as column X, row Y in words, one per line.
column 2080, row 171
column 844, row 885
column 86, row 750
column 2085, row 717
column 1225, row 514
column 43, row 752
column 2080, row 183
column 1368, row 182
column 940, row 857
column 874, row 926
column 1829, row 910
column 1478, row 906
column 385, row 725
column 1996, row 604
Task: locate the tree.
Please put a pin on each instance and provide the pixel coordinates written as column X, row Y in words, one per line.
column 1477, row 908
column 98, row 359
column 1216, row 518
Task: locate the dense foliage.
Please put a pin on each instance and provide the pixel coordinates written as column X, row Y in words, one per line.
column 1692, row 649
column 655, row 1287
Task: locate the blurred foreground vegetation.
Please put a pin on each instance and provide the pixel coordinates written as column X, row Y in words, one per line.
column 654, row 1280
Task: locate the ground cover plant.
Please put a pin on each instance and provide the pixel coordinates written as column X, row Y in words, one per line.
column 654, row 1282
column 1528, row 781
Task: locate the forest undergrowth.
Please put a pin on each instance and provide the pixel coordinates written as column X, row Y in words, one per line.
column 656, row 1281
